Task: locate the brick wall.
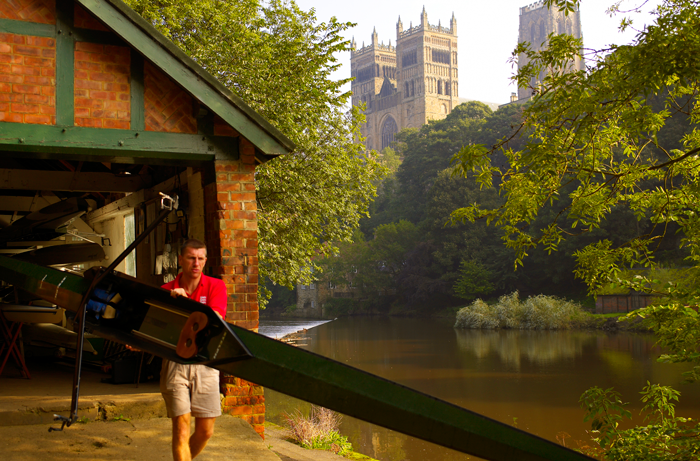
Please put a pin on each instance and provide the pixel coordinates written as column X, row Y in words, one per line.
column 232, row 238
column 168, row 107
column 85, row 20
column 102, row 86
column 27, row 79
column 41, row 11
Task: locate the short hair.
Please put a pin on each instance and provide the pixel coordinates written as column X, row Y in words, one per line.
column 193, row 243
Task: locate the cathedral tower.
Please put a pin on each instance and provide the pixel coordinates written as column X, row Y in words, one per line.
column 536, row 23
column 407, row 85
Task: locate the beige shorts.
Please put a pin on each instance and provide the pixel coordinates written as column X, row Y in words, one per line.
column 190, row 389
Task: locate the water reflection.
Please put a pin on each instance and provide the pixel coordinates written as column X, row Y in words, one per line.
column 513, row 346
column 530, row 378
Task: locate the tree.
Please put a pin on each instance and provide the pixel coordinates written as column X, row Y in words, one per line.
column 278, row 59
column 620, row 135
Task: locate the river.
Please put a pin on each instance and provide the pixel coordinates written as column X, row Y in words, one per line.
column 531, row 379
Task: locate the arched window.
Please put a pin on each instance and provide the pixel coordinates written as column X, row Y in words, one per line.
column 389, row 129
column 413, row 88
column 405, row 90
column 439, row 85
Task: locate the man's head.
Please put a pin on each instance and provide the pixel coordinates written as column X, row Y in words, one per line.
column 193, row 257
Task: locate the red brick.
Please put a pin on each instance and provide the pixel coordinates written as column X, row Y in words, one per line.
column 27, row 50
column 89, row 47
column 49, row 109
column 235, row 316
column 117, row 124
column 37, row 119
column 25, row 108
column 259, row 410
column 44, row 42
column 36, row 99
column 251, row 206
column 25, row 70
column 11, row 78
column 10, row 117
column 37, row 80
column 242, row 196
column 227, row 166
column 238, row 410
column 228, row 186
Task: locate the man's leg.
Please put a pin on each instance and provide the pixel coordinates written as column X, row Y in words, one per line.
column 181, row 438
column 203, row 430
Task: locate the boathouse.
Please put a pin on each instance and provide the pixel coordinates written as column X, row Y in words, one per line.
column 96, row 104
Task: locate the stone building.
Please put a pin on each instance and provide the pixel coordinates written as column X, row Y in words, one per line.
column 536, row 23
column 406, row 85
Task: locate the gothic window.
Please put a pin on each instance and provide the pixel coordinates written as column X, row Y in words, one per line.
column 447, row 88
column 389, row 129
column 365, row 74
column 542, row 34
column 413, row 88
column 533, row 33
column 439, row 87
column 441, row 56
column 409, row 58
column 405, row 90
column 443, row 109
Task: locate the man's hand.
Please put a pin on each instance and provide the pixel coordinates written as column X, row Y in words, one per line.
column 132, row 348
column 175, row 292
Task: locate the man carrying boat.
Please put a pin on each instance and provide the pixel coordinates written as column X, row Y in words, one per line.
column 193, row 390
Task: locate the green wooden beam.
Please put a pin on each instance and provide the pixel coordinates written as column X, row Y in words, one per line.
column 143, row 37
column 138, row 106
column 102, row 144
column 65, row 63
column 10, row 26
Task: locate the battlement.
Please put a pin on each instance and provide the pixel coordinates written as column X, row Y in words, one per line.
column 371, row 47
column 531, row 7
column 419, row 28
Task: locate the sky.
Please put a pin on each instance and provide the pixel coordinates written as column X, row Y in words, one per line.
column 487, row 33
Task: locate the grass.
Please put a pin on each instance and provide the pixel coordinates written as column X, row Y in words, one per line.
column 318, row 431
column 535, row 313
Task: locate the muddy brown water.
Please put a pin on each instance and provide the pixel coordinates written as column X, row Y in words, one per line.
column 532, row 379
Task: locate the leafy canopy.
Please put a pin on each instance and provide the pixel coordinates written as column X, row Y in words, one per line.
column 278, row 59
column 619, row 136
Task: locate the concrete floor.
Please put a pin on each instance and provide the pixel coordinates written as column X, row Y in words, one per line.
column 122, row 422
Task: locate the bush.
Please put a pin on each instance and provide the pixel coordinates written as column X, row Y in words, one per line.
column 536, row 313
column 318, row 431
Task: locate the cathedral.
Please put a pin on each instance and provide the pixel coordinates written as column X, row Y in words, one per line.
column 408, row 84
column 536, row 23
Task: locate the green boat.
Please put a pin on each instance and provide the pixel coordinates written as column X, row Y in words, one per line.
column 122, row 309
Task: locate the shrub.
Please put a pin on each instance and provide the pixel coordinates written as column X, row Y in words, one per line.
column 318, row 431
column 536, row 313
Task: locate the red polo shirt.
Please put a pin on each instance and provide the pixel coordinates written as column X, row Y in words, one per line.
column 210, row 291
